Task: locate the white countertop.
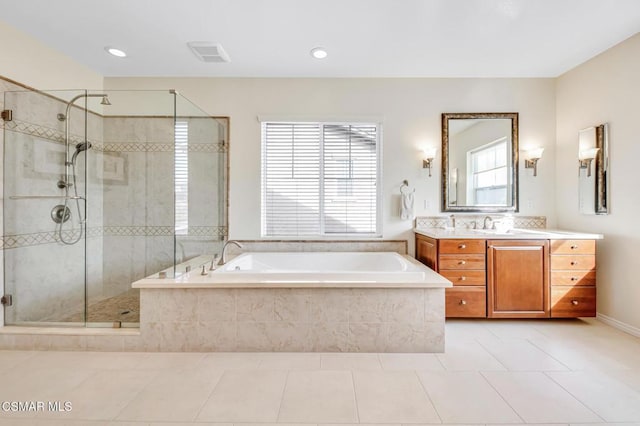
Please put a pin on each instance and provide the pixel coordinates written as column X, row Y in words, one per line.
column 512, row 234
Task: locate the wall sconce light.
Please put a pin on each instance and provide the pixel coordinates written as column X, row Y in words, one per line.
column 428, row 154
column 585, row 157
column 531, row 158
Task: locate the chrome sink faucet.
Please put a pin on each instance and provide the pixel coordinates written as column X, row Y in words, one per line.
column 223, row 259
column 484, row 225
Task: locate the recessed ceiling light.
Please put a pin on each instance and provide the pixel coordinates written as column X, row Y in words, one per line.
column 115, row 52
column 319, row 52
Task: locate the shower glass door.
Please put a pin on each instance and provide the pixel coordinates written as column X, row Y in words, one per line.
column 44, row 208
column 102, row 189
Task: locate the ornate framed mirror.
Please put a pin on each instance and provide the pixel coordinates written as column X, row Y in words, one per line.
column 480, row 162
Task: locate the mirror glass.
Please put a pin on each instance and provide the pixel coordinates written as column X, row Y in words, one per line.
column 480, row 162
column 593, row 160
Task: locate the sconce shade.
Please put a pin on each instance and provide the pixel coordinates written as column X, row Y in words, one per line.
column 429, row 153
column 588, row 154
column 534, row 154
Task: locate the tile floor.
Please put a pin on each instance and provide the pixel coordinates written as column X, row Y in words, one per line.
column 493, row 372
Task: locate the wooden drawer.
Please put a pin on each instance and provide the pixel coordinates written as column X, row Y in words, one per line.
column 573, row 278
column 464, row 276
column 461, row 261
column 462, row 246
column 572, row 302
column 573, row 263
column 466, row 302
column 573, row 247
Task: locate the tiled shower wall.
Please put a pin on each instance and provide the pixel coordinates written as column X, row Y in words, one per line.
column 140, row 235
column 45, row 278
column 130, row 209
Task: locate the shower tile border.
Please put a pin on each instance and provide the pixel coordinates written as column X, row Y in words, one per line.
column 8, row 242
column 161, row 147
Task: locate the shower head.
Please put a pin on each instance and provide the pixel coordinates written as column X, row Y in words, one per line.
column 82, row 146
column 105, row 100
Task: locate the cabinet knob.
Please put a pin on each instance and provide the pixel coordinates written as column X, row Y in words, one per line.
column 574, row 302
column 463, row 302
column 574, row 279
column 462, row 246
column 573, row 247
column 463, row 278
column 573, row 262
column 462, row 262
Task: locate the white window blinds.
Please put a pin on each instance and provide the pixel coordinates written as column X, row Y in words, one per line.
column 181, row 177
column 320, row 179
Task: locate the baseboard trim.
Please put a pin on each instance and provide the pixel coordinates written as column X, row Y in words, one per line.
column 635, row 331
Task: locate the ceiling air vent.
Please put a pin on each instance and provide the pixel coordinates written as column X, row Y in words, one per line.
column 208, row 52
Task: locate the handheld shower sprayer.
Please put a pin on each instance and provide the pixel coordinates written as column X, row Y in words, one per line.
column 82, row 146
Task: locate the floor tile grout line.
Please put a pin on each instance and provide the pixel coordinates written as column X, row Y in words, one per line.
column 355, row 396
column 573, row 396
column 493, row 356
column 151, row 379
column 549, row 355
column 426, row 392
column 481, row 373
column 284, row 391
column 195, row 418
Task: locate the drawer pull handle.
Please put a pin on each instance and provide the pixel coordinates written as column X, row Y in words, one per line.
column 462, row 246
column 573, row 247
column 574, row 279
column 573, row 263
column 574, row 302
column 462, row 262
column 463, row 302
column 463, row 278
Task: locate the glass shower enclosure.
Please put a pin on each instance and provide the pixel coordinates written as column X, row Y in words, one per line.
column 102, row 189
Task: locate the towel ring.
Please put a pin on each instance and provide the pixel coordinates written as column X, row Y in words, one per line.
column 405, row 189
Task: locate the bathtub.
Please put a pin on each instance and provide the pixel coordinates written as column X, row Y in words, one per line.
column 297, row 302
column 304, row 269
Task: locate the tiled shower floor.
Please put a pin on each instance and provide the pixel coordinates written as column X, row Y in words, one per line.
column 124, row 307
column 492, row 372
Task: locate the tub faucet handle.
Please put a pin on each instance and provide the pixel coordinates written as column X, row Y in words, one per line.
column 214, row 262
column 204, row 270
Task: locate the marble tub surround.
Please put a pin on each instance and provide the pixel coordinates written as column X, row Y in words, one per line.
column 269, row 308
column 292, row 320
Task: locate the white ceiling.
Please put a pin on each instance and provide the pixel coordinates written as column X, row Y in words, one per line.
column 364, row 38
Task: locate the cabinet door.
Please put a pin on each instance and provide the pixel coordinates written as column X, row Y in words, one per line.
column 427, row 251
column 518, row 278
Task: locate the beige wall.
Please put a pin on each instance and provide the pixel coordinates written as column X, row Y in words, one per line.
column 605, row 89
column 410, row 109
column 28, row 61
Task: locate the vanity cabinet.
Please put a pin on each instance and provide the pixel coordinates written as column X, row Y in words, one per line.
column 517, row 275
column 573, row 278
column 511, row 278
column 463, row 263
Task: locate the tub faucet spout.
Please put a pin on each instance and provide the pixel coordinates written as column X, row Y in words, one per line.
column 223, row 259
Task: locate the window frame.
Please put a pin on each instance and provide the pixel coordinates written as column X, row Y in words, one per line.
column 323, row 235
column 472, row 189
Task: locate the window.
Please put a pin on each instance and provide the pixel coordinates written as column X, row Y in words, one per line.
column 320, row 179
column 181, row 173
column 488, row 174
